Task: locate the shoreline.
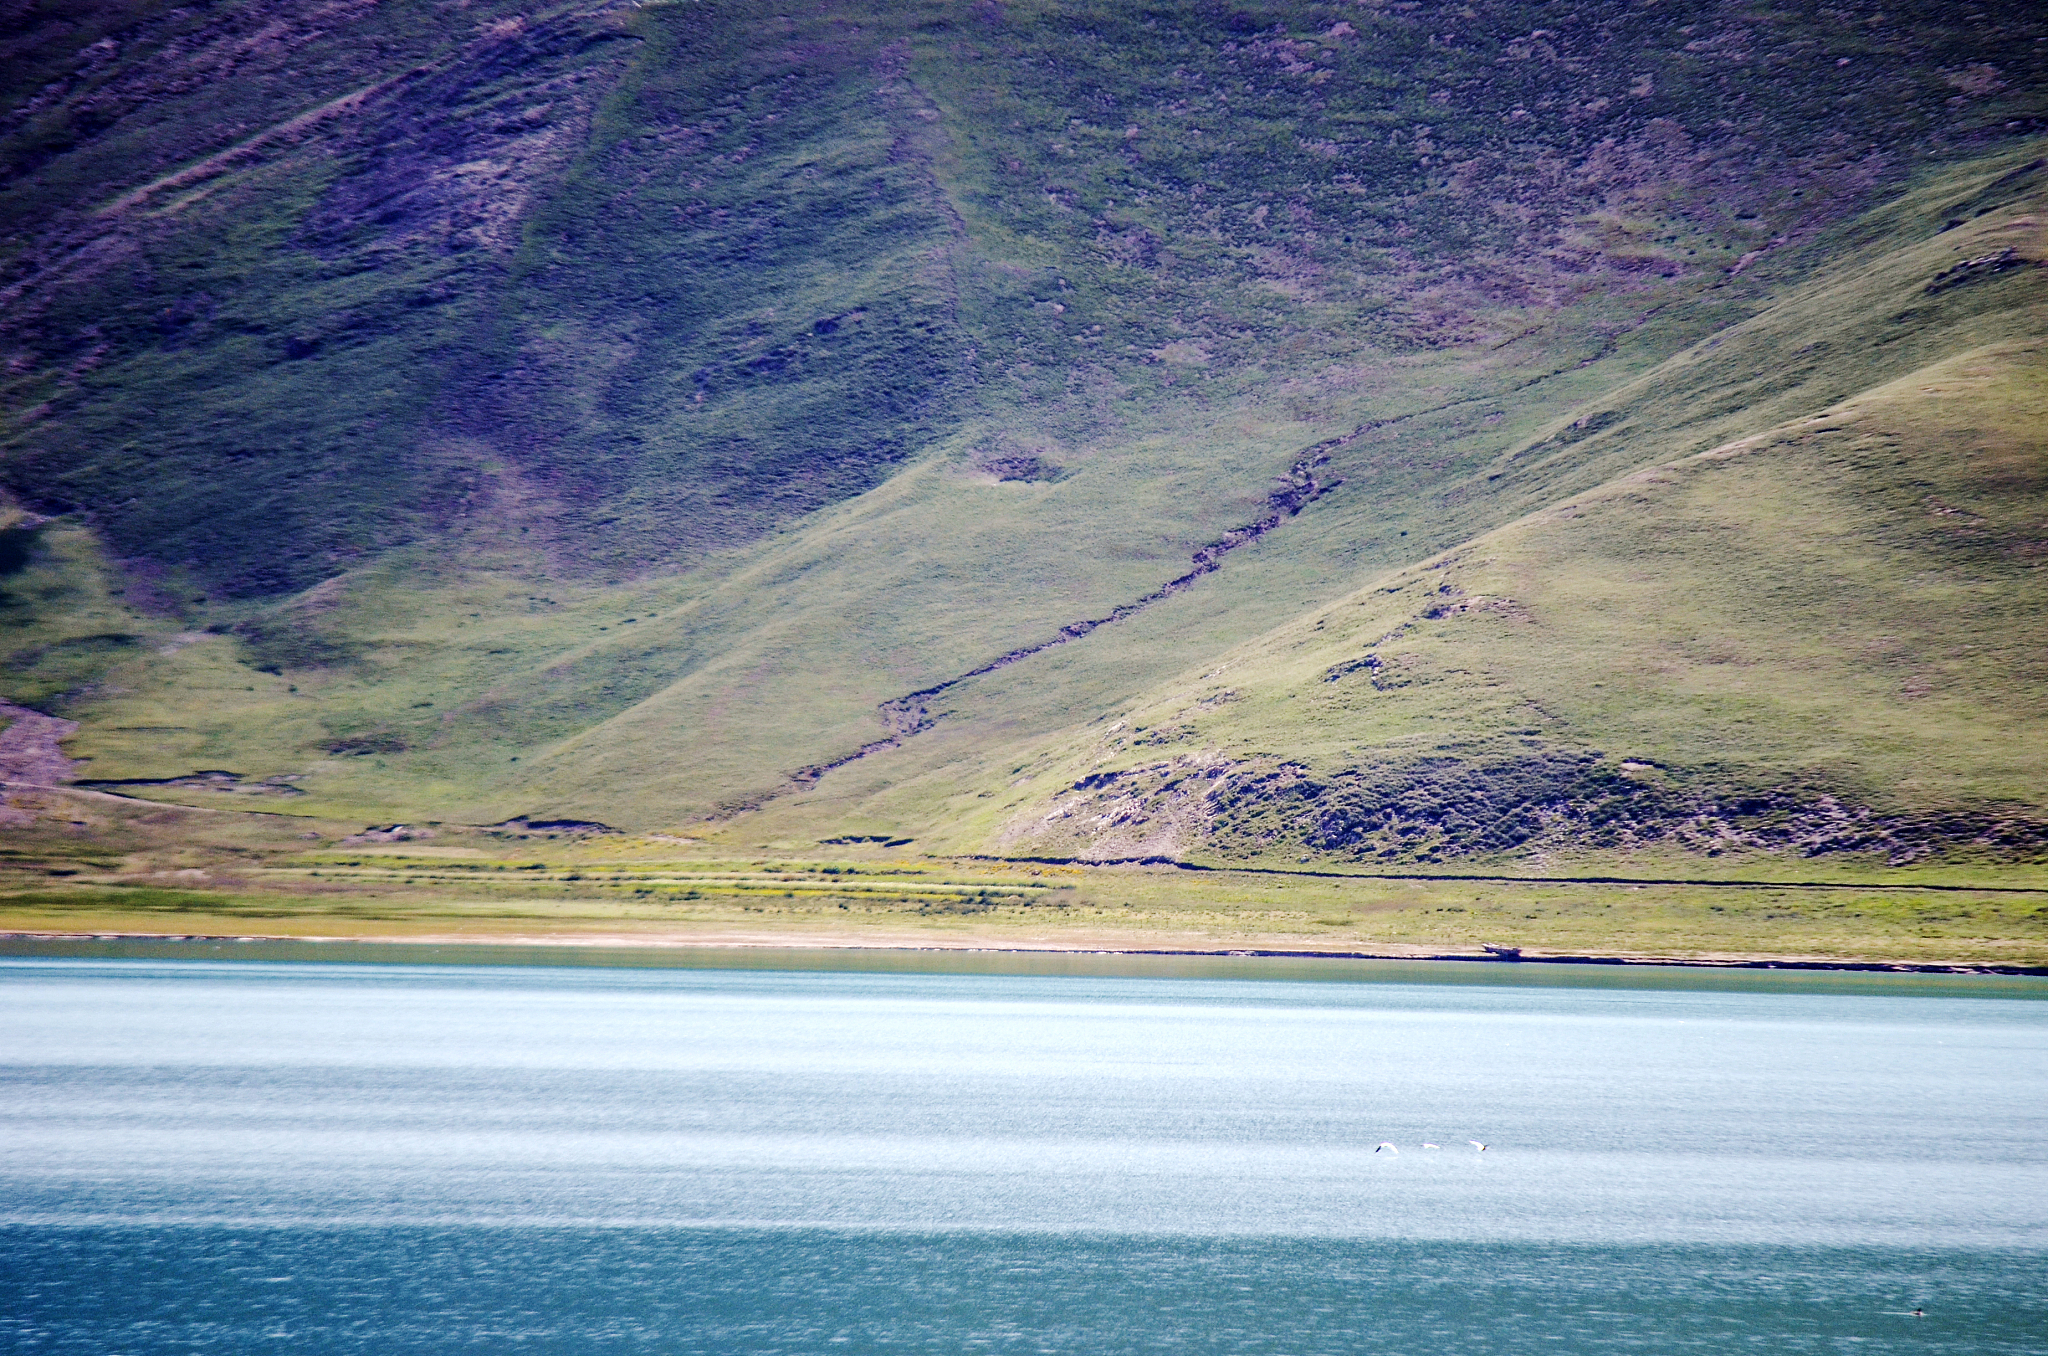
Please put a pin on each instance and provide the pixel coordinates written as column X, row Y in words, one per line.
column 1502, row 957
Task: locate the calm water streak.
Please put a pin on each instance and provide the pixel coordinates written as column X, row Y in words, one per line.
column 301, row 1157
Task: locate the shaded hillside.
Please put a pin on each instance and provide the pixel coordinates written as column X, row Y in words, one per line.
column 229, row 385
column 290, row 283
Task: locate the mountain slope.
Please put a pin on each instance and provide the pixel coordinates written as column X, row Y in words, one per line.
column 1822, row 637
column 288, row 284
column 793, row 427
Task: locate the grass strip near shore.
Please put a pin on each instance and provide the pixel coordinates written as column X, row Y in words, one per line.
column 88, row 865
column 1129, row 909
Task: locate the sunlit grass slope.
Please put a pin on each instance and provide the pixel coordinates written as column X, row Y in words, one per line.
column 1820, row 637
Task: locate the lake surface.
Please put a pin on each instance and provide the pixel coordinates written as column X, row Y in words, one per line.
column 314, row 1158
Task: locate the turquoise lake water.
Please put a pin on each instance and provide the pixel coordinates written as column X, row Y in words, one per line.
column 291, row 1156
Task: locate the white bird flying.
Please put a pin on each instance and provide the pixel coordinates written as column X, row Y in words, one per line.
column 1388, row 1147
column 1427, row 1145
column 1477, row 1145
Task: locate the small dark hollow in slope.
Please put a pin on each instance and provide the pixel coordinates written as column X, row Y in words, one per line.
column 17, row 548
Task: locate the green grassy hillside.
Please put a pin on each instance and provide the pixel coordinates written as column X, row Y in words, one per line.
column 1822, row 637
column 781, row 429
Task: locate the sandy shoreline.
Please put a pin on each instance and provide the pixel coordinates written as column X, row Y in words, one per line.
column 599, row 942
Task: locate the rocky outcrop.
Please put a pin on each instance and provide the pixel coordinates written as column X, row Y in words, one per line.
column 31, row 751
column 1443, row 809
